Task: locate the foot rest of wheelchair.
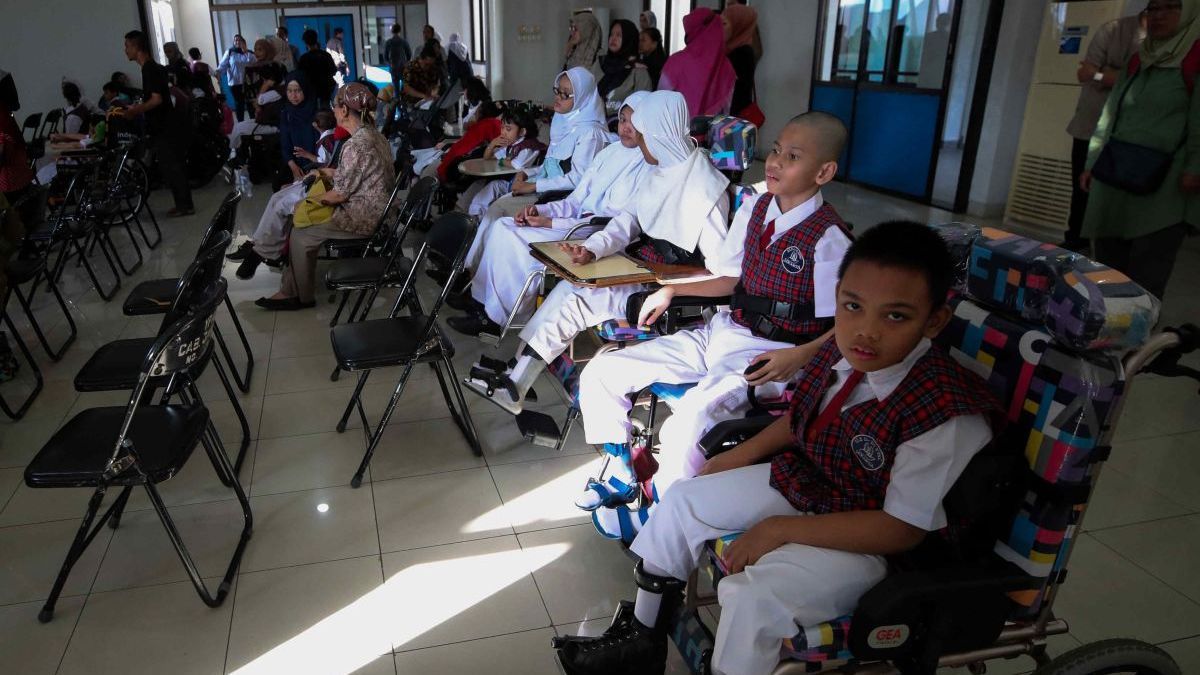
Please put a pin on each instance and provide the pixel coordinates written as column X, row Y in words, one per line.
column 692, row 638
column 539, row 428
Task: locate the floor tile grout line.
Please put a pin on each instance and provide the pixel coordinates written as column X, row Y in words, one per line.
column 1187, row 514
column 1133, row 562
column 399, row 652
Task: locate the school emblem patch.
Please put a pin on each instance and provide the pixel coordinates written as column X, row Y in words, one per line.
column 866, row 449
column 792, row 260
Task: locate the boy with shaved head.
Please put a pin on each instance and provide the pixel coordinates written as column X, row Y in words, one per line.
column 779, row 263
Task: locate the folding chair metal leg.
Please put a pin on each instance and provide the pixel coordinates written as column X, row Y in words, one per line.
column 118, row 507
column 341, row 305
column 83, row 537
column 462, row 417
column 568, row 424
column 138, row 221
column 102, row 236
column 362, row 294
column 87, row 266
column 356, row 481
column 237, row 409
column 54, row 355
column 243, row 381
column 362, row 381
column 33, row 368
column 153, row 220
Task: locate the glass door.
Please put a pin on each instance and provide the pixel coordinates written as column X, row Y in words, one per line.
column 881, row 69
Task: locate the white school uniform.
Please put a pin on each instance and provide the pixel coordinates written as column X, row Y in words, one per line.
column 476, row 199
column 605, row 190
column 714, row 356
column 798, row 585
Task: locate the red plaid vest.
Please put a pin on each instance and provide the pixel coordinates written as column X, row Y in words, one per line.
column 783, row 271
column 526, row 143
column 848, row 465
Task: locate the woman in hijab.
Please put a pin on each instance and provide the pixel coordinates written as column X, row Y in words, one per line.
column 678, row 215
column 583, row 43
column 651, row 54
column 578, row 131
column 700, row 71
column 458, row 60
column 296, row 131
column 740, row 23
column 647, row 20
column 605, row 190
column 621, row 78
column 1140, row 234
column 360, row 187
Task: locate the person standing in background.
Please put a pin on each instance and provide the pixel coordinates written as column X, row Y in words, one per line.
column 166, row 138
column 177, row 66
column 8, row 92
column 336, row 47
column 201, row 73
column 651, row 54
column 318, row 66
column 647, row 19
column 282, row 33
column 1114, row 43
column 741, row 25
column 396, row 54
column 583, row 42
column 233, row 65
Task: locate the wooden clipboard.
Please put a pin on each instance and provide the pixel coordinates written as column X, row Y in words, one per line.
column 620, row 269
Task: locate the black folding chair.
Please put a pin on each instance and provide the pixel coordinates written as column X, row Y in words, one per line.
column 154, row 296
column 33, row 122
column 152, row 444
column 104, row 205
column 383, row 263
column 126, row 194
column 30, row 267
column 114, row 366
column 404, row 341
column 72, row 231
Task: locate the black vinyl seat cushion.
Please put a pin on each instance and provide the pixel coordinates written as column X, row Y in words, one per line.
column 114, row 366
column 163, row 438
column 23, row 271
column 150, row 297
column 383, row 342
column 360, row 272
column 341, row 247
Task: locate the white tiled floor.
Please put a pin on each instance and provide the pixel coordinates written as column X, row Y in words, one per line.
column 443, row 562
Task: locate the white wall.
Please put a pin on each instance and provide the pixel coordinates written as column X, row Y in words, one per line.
column 41, row 41
column 526, row 70
column 784, row 75
column 1012, row 74
column 195, row 30
column 451, row 16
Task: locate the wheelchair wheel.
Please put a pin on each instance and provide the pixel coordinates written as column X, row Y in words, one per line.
column 1106, row 657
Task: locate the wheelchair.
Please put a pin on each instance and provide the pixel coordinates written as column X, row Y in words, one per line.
column 1058, row 338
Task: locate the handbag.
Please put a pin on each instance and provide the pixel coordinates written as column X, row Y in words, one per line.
column 310, row 211
column 752, row 113
column 1134, row 168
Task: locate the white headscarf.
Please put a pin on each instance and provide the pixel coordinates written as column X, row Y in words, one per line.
column 585, row 117
column 614, row 174
column 457, row 48
column 651, row 19
column 678, row 194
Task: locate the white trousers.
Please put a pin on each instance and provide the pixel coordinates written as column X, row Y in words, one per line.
column 570, row 310
column 508, row 205
column 272, row 230
column 794, row 585
column 481, row 194
column 714, row 356
column 504, row 266
column 248, row 127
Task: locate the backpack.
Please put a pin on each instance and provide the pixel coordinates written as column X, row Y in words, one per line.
column 1187, row 68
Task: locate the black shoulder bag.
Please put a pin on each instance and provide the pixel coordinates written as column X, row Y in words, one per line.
column 1133, row 168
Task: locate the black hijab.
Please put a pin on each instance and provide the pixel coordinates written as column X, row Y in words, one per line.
column 616, row 65
column 655, row 60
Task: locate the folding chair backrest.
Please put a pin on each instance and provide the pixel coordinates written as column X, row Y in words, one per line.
column 32, row 122
column 189, row 338
column 200, row 275
column 1044, row 328
column 50, row 123
column 224, row 220
column 454, row 252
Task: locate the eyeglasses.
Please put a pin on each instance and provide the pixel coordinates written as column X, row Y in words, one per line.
column 563, row 95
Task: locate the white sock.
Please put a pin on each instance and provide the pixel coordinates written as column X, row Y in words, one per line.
column 645, row 608
column 525, row 373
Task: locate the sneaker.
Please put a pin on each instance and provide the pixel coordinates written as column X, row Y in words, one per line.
column 240, row 254
column 629, row 648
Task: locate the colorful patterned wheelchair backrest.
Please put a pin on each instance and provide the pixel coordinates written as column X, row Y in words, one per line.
column 730, row 140
column 1045, row 329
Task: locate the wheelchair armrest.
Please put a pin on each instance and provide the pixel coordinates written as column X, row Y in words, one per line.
column 725, row 435
column 594, row 224
column 919, row 615
column 551, row 196
column 633, row 306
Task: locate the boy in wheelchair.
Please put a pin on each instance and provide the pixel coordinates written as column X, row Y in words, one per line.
column 880, row 428
column 780, row 263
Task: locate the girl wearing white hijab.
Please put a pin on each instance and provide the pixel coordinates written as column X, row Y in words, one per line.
column 605, row 190
column 647, row 20
column 577, row 132
column 678, row 215
column 457, row 47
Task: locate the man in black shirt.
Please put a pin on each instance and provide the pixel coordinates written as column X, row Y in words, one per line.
column 318, row 65
column 165, row 134
column 398, row 53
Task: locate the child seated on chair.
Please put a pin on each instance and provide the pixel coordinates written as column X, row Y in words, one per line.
column 502, row 263
column 881, row 426
column 779, row 263
column 678, row 215
column 517, row 146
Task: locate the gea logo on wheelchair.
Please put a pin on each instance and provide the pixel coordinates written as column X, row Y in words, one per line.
column 888, row 637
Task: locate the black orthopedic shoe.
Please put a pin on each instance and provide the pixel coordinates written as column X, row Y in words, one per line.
column 250, row 262
column 240, row 253
column 474, row 324
column 463, row 302
column 628, row 646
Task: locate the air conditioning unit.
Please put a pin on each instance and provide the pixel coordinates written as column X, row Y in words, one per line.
column 1040, row 193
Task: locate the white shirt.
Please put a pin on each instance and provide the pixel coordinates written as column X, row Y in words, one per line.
column 624, row 229
column 827, row 254
column 322, row 153
column 586, row 147
column 926, row 466
column 523, row 159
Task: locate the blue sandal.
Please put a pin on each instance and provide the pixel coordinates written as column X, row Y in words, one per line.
column 612, row 492
column 626, row 526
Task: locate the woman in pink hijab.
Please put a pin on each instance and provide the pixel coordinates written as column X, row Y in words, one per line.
column 701, row 72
